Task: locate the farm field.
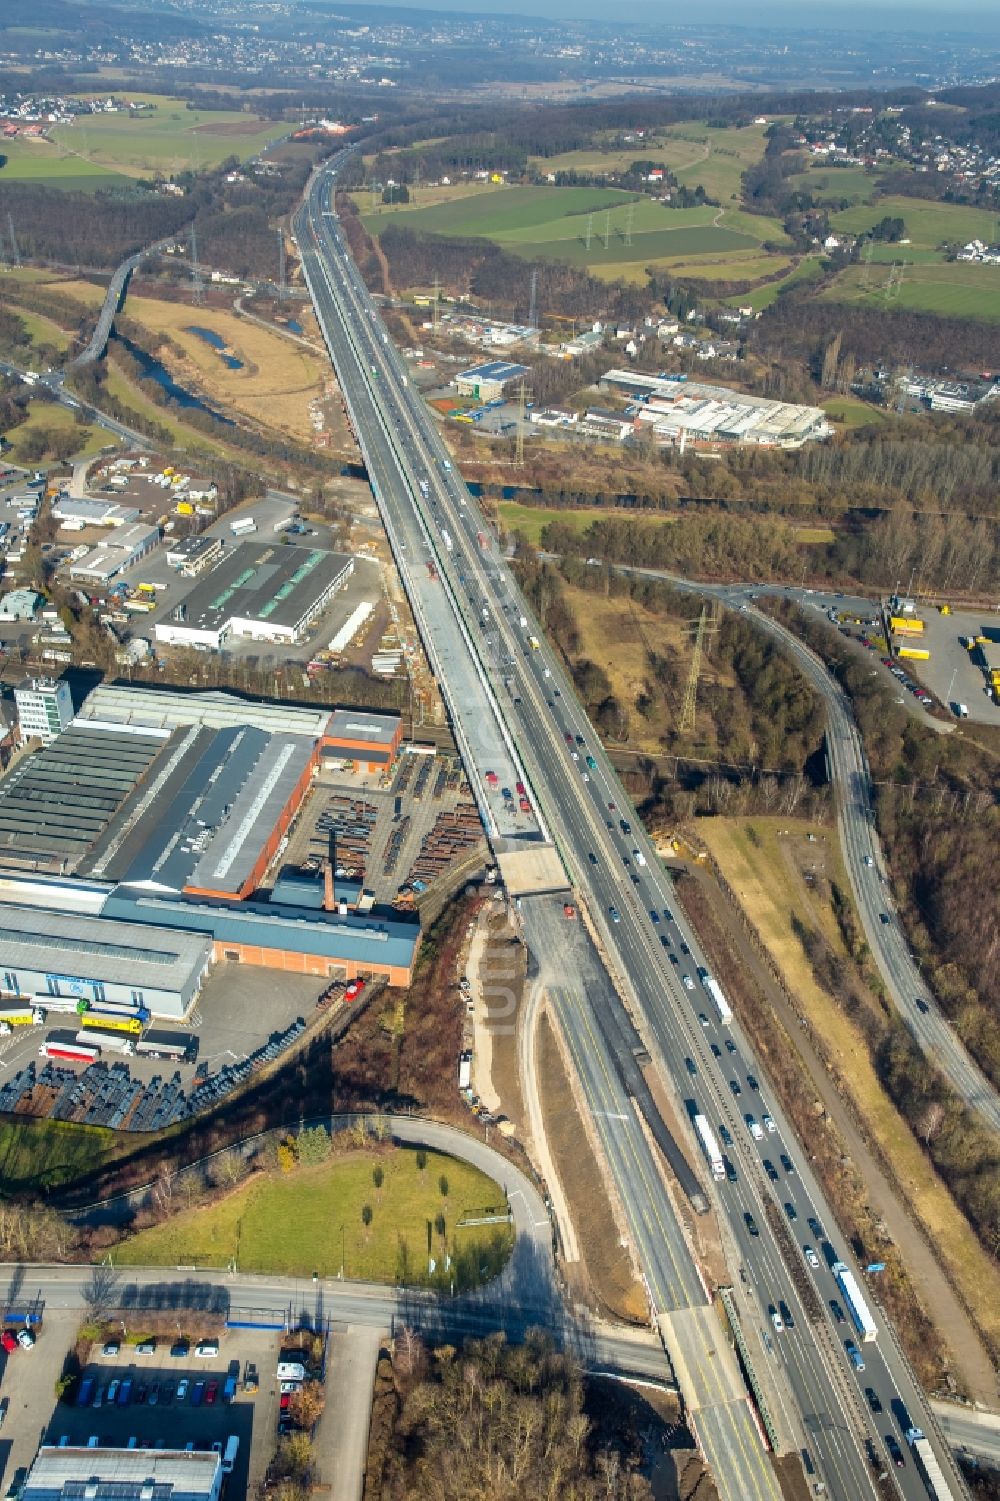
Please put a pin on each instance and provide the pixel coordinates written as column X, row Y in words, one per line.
column 764, row 297
column 849, row 412
column 278, row 377
column 830, row 184
column 739, row 265
column 324, row 1202
column 420, row 198
column 928, row 225
column 950, row 289
column 722, row 156
column 553, row 223
column 41, row 161
column 532, row 520
column 170, row 138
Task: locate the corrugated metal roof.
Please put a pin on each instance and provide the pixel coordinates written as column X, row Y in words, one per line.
column 363, row 940
column 275, row 583
column 100, row 948
column 165, row 708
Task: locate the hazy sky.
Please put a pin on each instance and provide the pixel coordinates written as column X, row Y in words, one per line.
column 916, row 15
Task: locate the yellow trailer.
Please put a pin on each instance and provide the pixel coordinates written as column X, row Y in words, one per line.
column 906, row 625
column 917, row 653
column 185, row 508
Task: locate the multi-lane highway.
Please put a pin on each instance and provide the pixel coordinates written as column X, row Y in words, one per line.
column 769, row 1207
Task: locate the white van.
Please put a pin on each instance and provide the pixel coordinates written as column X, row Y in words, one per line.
column 207, row 1349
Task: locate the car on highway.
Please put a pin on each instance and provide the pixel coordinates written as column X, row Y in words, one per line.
column 921, row 1006
column 854, row 1355
column 687, row 982
column 791, row 1210
column 730, row 1045
column 734, row 1085
column 716, row 1050
column 815, row 1226
column 894, row 1451
column 869, row 861
column 668, row 916
column 874, row 1400
column 750, row 1223
column 654, row 916
column 769, row 1123
column 771, row 1170
column 811, row 1257
column 786, row 1162
column 752, row 1082
column 883, row 918
column 837, row 1311
column 776, row 1319
column 626, row 828
column 614, row 914
column 592, row 857
column 754, row 1128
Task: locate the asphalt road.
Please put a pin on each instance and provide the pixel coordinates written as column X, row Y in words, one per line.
column 645, row 937
column 862, row 849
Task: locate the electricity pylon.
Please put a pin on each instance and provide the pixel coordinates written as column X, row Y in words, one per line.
column 707, row 623
column 522, row 395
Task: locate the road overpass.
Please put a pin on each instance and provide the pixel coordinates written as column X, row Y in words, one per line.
column 114, row 297
column 645, row 941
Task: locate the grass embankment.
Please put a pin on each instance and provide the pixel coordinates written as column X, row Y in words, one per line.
column 311, row 1220
column 773, row 891
column 849, row 412
column 278, row 378
column 36, row 1155
column 532, row 520
column 60, row 422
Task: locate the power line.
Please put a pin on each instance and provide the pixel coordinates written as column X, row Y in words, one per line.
column 607, row 228
column 629, row 218
column 281, row 265
column 15, row 254
column 519, row 439
column 590, row 229
column 197, row 285
column 533, row 300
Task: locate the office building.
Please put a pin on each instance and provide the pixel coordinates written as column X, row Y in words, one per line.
column 44, row 708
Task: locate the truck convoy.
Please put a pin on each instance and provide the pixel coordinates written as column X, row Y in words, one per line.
column 710, row 1147
column 856, row 1305
column 926, row 1461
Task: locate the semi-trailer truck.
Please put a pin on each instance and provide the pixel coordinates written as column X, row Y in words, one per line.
column 856, row 1306
column 710, row 1147
column 446, row 538
column 721, row 1004
column 75, row 1052
column 927, row 1464
column 20, row 1016
column 110, row 1020
column 240, row 528
column 115, row 1042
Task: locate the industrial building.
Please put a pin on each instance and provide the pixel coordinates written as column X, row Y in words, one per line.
column 72, row 1473
column 489, row 382
column 115, row 554
column 56, row 804
column 682, row 412
column 370, row 740
column 261, row 591
column 142, row 839
column 44, row 708
column 20, row 604
column 192, row 555
column 98, row 959
column 84, row 512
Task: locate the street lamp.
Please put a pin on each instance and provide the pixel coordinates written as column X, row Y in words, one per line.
column 342, row 1253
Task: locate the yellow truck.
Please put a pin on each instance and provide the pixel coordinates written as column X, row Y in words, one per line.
column 916, row 653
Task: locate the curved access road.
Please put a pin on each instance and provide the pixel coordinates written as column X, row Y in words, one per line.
column 866, row 868
column 850, row 776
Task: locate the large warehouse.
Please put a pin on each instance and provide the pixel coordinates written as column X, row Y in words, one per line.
column 261, row 591
column 134, row 850
column 95, row 959
column 84, row 1473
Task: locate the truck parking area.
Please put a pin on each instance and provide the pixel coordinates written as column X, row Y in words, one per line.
column 951, row 672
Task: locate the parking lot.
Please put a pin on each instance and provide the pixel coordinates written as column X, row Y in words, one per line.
column 241, row 1018
column 171, row 1402
column 952, row 673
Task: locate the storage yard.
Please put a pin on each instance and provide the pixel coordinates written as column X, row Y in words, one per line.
column 680, row 412
column 167, row 852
